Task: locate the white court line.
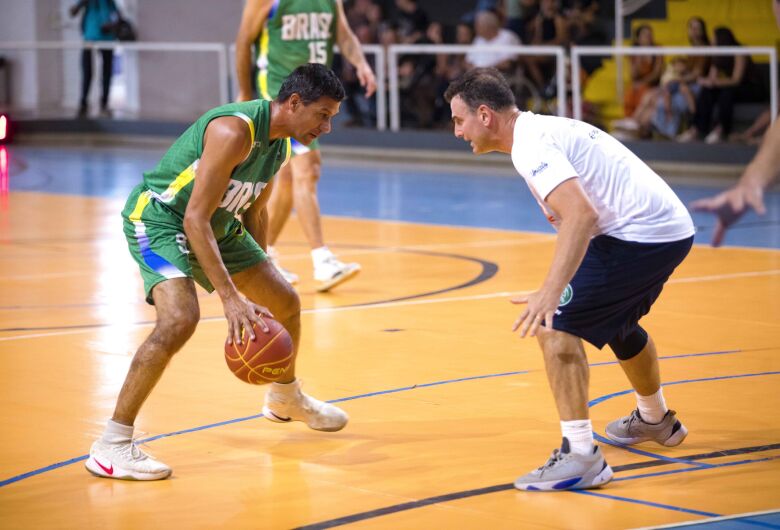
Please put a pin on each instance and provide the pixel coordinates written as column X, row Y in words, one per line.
column 403, row 303
column 710, row 520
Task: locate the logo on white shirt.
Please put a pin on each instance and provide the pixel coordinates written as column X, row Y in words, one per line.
column 539, row 169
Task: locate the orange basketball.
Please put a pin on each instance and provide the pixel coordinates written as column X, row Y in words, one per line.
column 263, row 360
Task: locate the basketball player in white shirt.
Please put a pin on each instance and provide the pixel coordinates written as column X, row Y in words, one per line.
column 621, row 233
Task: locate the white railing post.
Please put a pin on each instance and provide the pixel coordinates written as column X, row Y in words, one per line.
column 395, row 98
column 576, row 90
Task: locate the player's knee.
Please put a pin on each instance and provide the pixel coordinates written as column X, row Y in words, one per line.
column 629, row 346
column 174, row 330
column 289, row 304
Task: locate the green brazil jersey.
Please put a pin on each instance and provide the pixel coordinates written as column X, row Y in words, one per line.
column 171, row 182
column 296, row 32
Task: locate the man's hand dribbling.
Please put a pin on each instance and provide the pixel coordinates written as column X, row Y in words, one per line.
column 541, row 306
column 241, row 314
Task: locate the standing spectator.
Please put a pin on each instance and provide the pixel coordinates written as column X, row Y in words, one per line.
column 520, row 15
column 646, row 71
column 96, row 19
column 730, row 79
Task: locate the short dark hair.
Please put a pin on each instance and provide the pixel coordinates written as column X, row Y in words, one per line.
column 482, row 86
column 311, row 82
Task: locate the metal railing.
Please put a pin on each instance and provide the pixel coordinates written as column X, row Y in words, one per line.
column 395, row 50
column 620, row 51
column 213, row 47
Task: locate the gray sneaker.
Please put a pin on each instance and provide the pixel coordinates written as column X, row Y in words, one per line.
column 568, row 471
column 632, row 429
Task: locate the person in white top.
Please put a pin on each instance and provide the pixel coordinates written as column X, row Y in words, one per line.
column 621, row 233
column 490, row 33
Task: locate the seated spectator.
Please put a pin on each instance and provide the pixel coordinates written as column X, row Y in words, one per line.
column 679, row 84
column 490, row 33
column 730, row 79
column 677, row 98
column 646, row 72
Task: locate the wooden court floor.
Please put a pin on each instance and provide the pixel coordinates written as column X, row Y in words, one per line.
column 447, row 406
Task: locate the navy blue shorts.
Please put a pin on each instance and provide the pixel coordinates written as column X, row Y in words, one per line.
column 615, row 286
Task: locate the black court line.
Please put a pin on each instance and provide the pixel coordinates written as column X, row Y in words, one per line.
column 362, row 516
column 489, row 269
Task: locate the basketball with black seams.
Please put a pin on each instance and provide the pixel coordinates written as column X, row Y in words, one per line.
column 266, row 359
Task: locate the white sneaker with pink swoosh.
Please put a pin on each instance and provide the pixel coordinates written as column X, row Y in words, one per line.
column 124, row 461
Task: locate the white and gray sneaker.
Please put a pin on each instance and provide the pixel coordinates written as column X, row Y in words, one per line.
column 568, row 471
column 286, row 403
column 124, row 461
column 331, row 272
column 632, row 429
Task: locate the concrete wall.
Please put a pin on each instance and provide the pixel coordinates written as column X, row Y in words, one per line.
column 183, row 84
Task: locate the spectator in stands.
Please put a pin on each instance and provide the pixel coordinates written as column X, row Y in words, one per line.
column 411, row 21
column 748, row 193
column 97, row 17
column 520, row 15
column 677, row 98
column 489, row 32
column 646, row 71
column 549, row 28
column 730, row 79
column 679, row 85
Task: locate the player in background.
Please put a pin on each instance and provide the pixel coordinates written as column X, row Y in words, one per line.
column 287, row 34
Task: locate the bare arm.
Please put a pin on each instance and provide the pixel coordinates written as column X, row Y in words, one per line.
column 352, row 52
column 255, row 219
column 226, row 143
column 252, row 20
column 578, row 221
column 740, row 65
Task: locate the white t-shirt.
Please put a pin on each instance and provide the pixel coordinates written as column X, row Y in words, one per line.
column 482, row 59
column 633, row 202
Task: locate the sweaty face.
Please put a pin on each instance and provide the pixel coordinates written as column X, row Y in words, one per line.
column 467, row 125
column 313, row 120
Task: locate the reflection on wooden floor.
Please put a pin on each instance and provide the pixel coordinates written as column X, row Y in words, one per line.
column 447, row 406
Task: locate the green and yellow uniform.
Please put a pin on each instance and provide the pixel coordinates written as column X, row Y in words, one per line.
column 154, row 212
column 296, row 32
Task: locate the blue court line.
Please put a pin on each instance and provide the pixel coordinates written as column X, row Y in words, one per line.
column 696, row 468
column 57, row 465
column 682, row 355
column 647, row 503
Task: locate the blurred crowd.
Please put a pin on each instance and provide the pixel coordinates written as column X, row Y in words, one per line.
column 680, row 98
column 423, row 78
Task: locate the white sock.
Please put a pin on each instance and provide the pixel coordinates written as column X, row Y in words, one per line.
column 580, row 435
column 319, row 255
column 286, row 389
column 117, row 433
column 652, row 408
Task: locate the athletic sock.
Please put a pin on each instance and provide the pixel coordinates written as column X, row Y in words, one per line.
column 117, row 433
column 320, row 255
column 580, row 435
column 652, row 408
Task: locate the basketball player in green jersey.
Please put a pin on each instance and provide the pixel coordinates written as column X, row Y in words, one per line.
column 286, row 34
column 182, row 226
